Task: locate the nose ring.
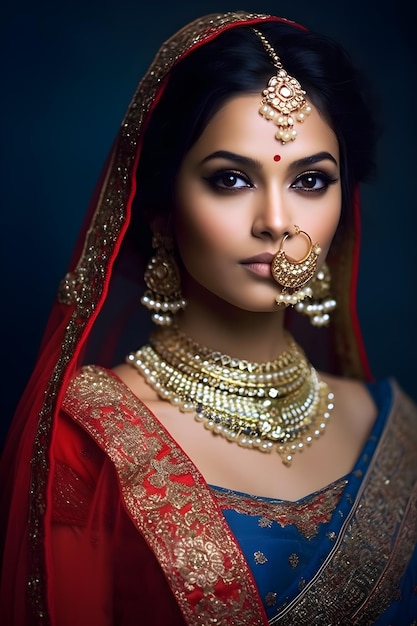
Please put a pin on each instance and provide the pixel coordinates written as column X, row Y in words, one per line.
column 294, row 274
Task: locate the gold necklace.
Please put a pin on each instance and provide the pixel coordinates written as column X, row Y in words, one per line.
column 279, row 404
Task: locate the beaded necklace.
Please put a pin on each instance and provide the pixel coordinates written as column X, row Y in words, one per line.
column 280, row 404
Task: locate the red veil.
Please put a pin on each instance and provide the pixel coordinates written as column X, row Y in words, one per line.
column 100, row 295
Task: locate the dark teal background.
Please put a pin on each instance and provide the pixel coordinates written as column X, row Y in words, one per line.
column 68, row 72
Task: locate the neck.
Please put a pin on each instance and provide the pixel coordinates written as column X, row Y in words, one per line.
column 247, row 335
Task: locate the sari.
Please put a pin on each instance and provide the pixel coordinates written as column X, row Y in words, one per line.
column 67, row 464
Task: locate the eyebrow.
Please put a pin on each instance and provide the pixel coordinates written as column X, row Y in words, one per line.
column 248, row 161
column 232, row 156
column 313, row 158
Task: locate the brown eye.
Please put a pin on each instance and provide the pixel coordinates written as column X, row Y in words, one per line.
column 313, row 181
column 310, row 182
column 228, row 180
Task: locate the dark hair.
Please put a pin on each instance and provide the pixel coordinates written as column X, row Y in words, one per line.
column 236, row 62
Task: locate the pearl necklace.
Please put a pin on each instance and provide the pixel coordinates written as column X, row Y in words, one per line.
column 278, row 404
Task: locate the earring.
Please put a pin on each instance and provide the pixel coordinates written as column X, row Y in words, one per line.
column 162, row 278
column 321, row 303
column 295, row 275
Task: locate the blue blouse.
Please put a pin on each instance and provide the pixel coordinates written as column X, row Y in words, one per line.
column 285, row 543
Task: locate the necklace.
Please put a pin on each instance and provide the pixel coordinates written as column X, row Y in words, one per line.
column 279, row 404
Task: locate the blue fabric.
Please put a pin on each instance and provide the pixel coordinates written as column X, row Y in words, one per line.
column 283, row 557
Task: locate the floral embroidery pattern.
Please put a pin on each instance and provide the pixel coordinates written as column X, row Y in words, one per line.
column 260, row 558
column 200, row 563
column 265, row 522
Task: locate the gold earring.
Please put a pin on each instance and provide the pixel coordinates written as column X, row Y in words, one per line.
column 162, row 278
column 321, row 303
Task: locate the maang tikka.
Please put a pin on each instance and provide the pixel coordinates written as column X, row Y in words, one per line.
column 162, row 278
column 283, row 100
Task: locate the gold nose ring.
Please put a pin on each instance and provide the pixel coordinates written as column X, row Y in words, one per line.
column 294, row 274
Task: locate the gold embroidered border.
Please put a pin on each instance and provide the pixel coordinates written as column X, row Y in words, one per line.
column 360, row 577
column 169, row 502
column 305, row 515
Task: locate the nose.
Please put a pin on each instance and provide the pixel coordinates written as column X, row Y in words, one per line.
column 272, row 218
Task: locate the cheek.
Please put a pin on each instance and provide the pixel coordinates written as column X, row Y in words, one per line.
column 320, row 223
column 202, row 245
column 329, row 227
column 323, row 226
column 203, row 225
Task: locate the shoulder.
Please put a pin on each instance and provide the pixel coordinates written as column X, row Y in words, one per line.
column 359, row 406
column 401, row 398
column 91, row 382
column 107, row 408
column 403, row 413
column 95, row 388
column 354, row 404
column 73, row 445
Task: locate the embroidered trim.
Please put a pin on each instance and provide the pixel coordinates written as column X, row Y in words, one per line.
column 305, row 515
column 169, row 502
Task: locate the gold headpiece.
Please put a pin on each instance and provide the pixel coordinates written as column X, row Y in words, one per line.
column 283, row 98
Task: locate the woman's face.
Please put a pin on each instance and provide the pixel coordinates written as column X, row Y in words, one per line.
column 240, row 190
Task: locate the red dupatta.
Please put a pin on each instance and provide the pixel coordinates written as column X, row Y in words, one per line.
column 169, row 503
column 84, row 302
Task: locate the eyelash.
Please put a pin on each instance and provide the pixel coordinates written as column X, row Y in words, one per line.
column 215, row 179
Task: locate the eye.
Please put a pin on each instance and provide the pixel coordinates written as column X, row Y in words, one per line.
column 313, row 181
column 226, row 180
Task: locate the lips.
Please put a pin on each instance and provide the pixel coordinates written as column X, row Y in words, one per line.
column 259, row 264
column 266, row 257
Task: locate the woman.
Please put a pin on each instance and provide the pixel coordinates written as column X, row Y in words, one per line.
column 233, row 179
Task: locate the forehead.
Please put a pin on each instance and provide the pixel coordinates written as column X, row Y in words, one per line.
column 239, row 127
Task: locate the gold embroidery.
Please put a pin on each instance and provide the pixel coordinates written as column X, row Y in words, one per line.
column 305, row 515
column 199, row 562
column 259, row 558
column 265, row 522
column 170, row 503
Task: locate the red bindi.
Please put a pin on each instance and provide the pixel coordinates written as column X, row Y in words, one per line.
column 277, row 157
